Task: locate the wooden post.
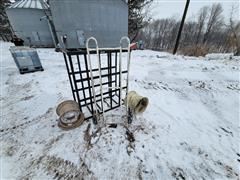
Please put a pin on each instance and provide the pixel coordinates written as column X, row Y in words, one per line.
column 181, row 26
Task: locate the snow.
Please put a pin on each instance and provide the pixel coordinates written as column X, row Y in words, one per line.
column 217, row 56
column 190, row 129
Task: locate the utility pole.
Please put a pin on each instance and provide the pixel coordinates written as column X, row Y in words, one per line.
column 181, row 26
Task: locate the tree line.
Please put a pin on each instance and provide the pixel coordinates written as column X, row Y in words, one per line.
column 207, row 32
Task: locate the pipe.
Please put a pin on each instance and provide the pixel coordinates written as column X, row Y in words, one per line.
column 50, row 28
column 136, row 103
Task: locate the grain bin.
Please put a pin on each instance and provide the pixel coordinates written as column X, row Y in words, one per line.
column 77, row 20
column 29, row 22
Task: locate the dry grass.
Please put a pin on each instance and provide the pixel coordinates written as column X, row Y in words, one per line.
column 195, row 50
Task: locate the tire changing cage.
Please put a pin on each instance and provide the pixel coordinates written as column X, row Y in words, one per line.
column 97, row 88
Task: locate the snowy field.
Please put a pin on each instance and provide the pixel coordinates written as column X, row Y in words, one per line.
column 190, row 129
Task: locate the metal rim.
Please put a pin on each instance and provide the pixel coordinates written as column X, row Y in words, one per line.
column 69, row 126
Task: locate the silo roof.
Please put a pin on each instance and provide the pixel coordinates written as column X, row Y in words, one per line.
column 32, row 4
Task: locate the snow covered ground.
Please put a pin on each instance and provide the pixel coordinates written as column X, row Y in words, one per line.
column 190, row 129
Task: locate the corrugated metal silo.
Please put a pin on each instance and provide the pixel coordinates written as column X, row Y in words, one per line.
column 77, row 20
column 29, row 22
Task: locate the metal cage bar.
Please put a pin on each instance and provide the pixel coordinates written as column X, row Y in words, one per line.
column 80, row 80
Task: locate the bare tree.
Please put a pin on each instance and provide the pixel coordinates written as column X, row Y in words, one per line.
column 3, row 16
column 4, row 23
column 200, row 36
column 137, row 16
column 202, row 17
column 215, row 20
column 189, row 29
column 234, row 32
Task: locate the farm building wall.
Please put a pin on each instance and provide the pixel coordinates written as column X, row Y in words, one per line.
column 27, row 25
column 106, row 20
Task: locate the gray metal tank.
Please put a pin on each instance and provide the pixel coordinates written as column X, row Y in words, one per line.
column 28, row 21
column 77, row 20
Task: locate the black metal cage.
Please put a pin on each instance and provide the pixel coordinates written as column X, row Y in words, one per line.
column 80, row 80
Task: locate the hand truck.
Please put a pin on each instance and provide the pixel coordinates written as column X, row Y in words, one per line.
column 100, row 110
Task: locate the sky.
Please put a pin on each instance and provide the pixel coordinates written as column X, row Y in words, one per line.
column 169, row 8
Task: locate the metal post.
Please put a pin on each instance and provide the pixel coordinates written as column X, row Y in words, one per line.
column 50, row 25
column 69, row 76
column 74, row 81
column 48, row 13
column 181, row 26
